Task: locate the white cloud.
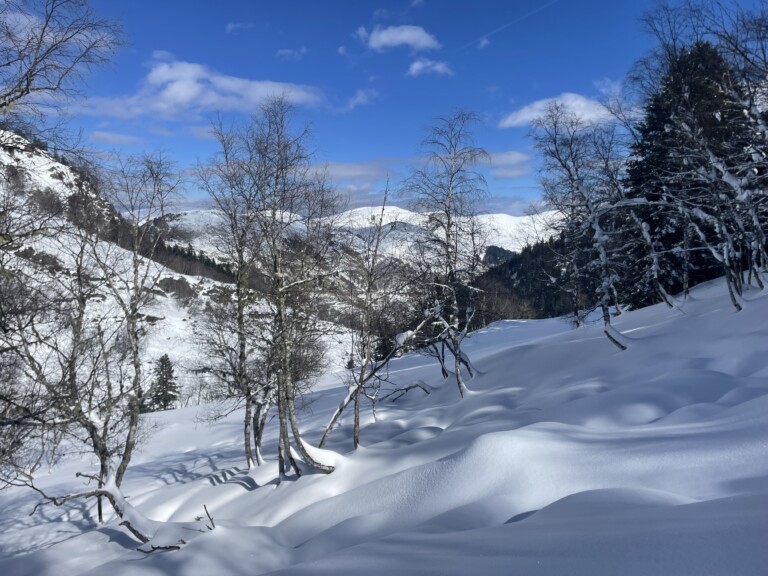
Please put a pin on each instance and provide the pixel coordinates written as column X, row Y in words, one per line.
column 358, row 172
column 360, row 98
column 608, row 87
column 587, row 109
column 235, row 26
column 427, row 66
column 483, row 43
column 365, row 181
column 115, row 138
column 417, row 3
column 290, row 54
column 414, row 37
column 361, row 181
column 361, row 34
column 175, row 89
column 509, row 165
column 342, row 50
column 163, row 56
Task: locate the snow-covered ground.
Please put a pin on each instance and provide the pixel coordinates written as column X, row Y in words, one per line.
column 566, row 457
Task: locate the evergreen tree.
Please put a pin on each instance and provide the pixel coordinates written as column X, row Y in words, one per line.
column 694, row 143
column 165, row 389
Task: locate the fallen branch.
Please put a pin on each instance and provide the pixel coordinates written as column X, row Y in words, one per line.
column 153, row 548
column 402, row 391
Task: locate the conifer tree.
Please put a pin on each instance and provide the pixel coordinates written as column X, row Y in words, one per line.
column 694, row 145
column 165, row 389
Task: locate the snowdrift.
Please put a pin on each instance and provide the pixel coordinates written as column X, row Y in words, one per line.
column 566, row 457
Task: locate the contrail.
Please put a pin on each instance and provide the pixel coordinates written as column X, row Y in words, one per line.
column 512, row 23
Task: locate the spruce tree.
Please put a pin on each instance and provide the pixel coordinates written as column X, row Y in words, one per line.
column 165, row 390
column 693, row 142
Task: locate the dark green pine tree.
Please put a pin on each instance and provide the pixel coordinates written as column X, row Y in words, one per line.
column 695, row 116
column 165, row 389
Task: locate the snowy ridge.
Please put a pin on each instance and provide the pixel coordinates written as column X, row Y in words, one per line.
column 566, row 457
column 505, row 231
column 38, row 168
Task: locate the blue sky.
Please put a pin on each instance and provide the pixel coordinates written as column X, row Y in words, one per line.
column 369, row 77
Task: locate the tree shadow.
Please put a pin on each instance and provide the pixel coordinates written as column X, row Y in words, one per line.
column 520, row 517
column 233, row 476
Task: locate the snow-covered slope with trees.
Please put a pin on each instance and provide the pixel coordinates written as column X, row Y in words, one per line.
column 566, row 456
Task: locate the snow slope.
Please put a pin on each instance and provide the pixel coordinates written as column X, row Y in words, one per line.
column 39, row 170
column 566, row 457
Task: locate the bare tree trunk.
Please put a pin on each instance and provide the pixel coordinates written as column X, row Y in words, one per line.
column 356, row 429
column 459, row 378
column 300, row 442
column 247, row 419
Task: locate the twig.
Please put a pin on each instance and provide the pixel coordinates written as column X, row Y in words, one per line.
column 213, row 524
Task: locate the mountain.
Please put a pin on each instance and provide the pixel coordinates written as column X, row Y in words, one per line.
column 511, row 233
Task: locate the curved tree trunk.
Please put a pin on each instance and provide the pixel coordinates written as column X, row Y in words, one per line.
column 300, row 442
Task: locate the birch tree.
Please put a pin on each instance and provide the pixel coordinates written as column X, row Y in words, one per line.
column 378, row 288
column 47, row 47
column 141, row 188
column 447, row 190
column 236, row 189
column 293, row 248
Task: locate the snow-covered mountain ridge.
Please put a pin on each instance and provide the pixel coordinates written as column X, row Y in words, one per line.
column 505, row 231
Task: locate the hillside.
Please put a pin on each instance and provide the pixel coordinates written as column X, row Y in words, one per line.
column 567, row 457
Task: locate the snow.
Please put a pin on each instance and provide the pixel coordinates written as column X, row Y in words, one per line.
column 39, row 169
column 567, row 456
column 509, row 232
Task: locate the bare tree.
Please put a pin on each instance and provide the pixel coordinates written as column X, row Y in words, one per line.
column 377, row 287
column 447, row 190
column 291, row 239
column 22, row 408
column 82, row 351
column 70, row 351
column 141, row 189
column 237, row 358
column 236, row 192
column 46, row 49
column 580, row 180
column 47, row 46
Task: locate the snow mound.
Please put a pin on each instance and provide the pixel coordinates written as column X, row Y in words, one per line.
column 566, row 457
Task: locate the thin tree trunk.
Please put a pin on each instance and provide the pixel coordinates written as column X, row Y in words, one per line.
column 255, row 431
column 247, row 431
column 356, row 430
column 300, row 443
column 459, row 378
